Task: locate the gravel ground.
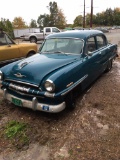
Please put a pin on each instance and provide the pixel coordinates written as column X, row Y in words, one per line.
column 90, row 132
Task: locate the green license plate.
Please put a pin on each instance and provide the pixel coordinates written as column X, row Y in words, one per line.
column 16, row 101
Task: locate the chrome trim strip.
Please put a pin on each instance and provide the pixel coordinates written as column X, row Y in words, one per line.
column 112, row 57
column 48, row 94
column 26, row 94
column 35, row 105
column 68, row 85
column 48, row 80
column 64, row 38
column 75, row 84
column 18, row 88
column 34, row 85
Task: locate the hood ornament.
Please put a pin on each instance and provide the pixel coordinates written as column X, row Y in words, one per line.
column 23, row 64
column 19, row 75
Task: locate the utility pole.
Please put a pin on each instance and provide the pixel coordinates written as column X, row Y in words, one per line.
column 91, row 17
column 84, row 16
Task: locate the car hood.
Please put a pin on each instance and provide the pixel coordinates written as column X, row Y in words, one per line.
column 27, row 44
column 35, row 68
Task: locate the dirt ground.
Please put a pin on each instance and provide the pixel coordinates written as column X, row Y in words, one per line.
column 90, row 132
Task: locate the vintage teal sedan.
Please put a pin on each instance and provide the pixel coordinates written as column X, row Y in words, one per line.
column 66, row 61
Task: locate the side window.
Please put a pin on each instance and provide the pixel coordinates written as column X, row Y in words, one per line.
column 90, row 45
column 100, row 42
column 2, row 39
column 55, row 30
column 5, row 40
column 47, row 29
column 8, row 40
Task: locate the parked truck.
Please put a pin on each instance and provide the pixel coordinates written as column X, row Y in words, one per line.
column 39, row 36
column 18, row 33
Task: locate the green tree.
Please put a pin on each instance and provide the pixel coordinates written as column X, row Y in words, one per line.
column 33, row 23
column 108, row 18
column 43, row 20
column 55, row 18
column 116, row 16
column 53, row 13
column 88, row 17
column 6, row 25
column 100, row 19
column 78, row 21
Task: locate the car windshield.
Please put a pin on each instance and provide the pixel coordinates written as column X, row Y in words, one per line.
column 62, row 45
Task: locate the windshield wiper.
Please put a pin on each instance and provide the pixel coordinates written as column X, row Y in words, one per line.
column 45, row 52
column 53, row 52
column 59, row 52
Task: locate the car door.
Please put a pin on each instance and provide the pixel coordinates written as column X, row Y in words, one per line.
column 103, row 50
column 47, row 31
column 91, row 61
column 8, row 49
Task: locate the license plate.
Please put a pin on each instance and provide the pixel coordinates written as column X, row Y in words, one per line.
column 16, row 101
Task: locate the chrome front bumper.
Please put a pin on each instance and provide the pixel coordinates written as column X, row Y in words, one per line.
column 34, row 104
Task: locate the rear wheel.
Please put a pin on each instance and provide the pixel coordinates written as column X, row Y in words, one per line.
column 30, row 54
column 33, row 40
column 109, row 66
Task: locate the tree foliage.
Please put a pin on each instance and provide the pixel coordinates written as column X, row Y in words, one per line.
column 78, row 21
column 33, row 23
column 43, row 20
column 55, row 18
column 6, row 25
column 60, row 20
column 107, row 18
column 18, row 23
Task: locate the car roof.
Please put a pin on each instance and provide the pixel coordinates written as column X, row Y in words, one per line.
column 82, row 34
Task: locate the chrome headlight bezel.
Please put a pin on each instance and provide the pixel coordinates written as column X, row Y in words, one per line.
column 49, row 86
column 1, row 75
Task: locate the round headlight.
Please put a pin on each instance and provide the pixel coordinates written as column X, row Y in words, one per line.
column 1, row 76
column 49, row 86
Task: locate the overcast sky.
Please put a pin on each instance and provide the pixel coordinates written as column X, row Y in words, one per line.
column 28, row 9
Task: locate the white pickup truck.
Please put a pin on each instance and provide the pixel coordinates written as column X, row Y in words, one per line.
column 38, row 36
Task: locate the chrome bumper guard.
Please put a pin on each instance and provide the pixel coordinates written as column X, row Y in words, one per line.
column 35, row 105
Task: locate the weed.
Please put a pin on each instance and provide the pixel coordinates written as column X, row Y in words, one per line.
column 16, row 131
column 70, row 152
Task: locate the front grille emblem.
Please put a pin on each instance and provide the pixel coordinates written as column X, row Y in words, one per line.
column 19, row 75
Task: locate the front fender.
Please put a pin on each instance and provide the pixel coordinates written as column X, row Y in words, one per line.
column 66, row 77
